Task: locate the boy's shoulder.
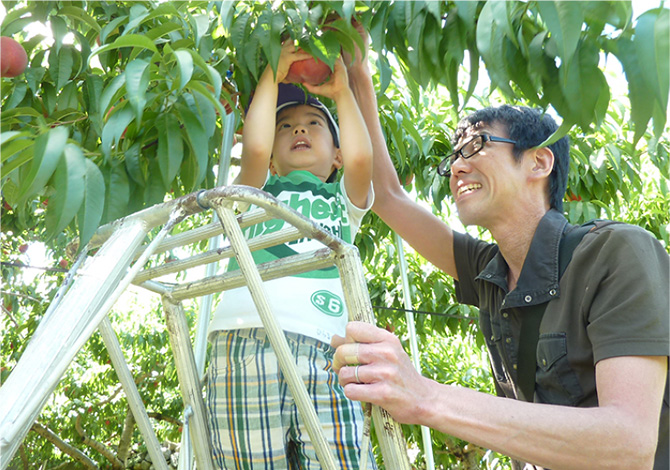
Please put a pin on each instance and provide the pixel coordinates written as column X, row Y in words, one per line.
column 300, row 181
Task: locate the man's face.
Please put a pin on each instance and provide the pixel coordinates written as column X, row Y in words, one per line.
column 303, row 141
column 489, row 184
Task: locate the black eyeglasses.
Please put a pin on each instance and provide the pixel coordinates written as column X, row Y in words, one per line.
column 467, row 150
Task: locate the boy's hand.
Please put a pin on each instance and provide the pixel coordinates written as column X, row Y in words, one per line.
column 289, row 54
column 335, row 85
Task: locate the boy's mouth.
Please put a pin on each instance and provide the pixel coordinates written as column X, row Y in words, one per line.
column 301, row 144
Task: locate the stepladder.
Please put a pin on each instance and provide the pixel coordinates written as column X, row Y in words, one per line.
column 120, row 251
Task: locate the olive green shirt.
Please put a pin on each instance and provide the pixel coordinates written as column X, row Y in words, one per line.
column 611, row 301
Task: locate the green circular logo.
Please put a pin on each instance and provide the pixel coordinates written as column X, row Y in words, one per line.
column 328, row 303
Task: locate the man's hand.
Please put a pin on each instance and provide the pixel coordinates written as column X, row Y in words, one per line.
column 374, row 368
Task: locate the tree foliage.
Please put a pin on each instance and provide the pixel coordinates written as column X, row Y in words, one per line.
column 122, row 107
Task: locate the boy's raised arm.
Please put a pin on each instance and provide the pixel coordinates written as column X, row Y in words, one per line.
column 355, row 144
column 258, row 133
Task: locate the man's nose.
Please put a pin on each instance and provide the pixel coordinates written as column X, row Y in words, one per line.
column 459, row 165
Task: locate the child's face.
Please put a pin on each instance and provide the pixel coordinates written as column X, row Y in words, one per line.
column 303, row 142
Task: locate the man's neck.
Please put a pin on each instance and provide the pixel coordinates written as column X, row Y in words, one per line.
column 514, row 237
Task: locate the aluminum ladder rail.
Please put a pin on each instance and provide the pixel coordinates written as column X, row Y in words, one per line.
column 133, row 228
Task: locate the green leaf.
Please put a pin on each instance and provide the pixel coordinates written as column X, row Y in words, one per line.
column 137, row 82
column 467, row 11
column 162, row 30
column 60, row 66
column 68, row 179
column 22, row 151
column 133, row 163
column 170, row 147
column 59, row 30
column 8, row 136
column 212, row 74
column 652, row 44
column 564, row 21
column 48, row 149
column 238, row 33
column 12, row 146
column 561, row 132
column 90, row 212
column 114, row 86
column 138, row 13
column 211, row 96
column 16, row 97
column 110, row 27
column 185, row 62
column 201, row 25
column 198, row 141
column 131, row 40
column 114, row 128
column 502, row 14
column 490, row 45
column 117, row 192
column 81, row 15
column 276, row 27
column 583, row 89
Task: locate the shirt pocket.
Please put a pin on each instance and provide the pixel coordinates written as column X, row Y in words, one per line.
column 556, row 382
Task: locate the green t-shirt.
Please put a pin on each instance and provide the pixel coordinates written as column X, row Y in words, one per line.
column 311, row 303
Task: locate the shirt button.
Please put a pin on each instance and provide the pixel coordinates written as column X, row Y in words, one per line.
column 488, row 276
column 508, row 340
column 505, row 315
column 492, row 338
column 552, row 292
column 528, row 299
column 544, row 362
column 514, row 366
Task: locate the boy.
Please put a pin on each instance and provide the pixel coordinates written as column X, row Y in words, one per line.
column 254, row 420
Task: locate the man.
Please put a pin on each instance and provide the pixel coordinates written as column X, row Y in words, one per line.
column 602, row 355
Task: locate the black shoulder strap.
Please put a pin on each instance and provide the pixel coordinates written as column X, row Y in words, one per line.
column 532, row 316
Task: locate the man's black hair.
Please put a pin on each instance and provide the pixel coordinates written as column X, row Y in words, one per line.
column 529, row 127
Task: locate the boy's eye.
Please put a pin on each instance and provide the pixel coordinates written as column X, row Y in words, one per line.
column 314, row 122
column 284, row 126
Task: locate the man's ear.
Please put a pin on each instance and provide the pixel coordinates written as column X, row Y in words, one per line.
column 542, row 162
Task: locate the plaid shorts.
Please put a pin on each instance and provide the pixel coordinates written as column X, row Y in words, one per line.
column 253, row 418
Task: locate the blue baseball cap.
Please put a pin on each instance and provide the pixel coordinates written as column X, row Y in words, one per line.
column 292, row 95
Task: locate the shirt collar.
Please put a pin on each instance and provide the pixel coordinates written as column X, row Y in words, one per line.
column 538, row 282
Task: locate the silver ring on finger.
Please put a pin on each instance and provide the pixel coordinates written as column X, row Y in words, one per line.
column 358, row 381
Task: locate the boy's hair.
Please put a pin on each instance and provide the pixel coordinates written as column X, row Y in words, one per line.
column 290, row 95
column 529, row 127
